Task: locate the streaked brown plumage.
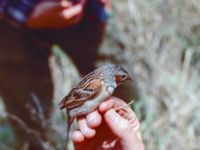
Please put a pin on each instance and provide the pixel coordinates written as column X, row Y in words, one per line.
column 94, row 88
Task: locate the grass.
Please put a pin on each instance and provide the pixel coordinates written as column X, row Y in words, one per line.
column 159, row 41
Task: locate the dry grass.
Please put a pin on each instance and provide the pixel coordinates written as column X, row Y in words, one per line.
column 160, row 40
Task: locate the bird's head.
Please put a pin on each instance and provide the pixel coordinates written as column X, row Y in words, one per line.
column 117, row 72
column 121, row 75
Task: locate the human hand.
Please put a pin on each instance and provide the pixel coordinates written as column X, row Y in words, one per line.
column 109, row 128
column 56, row 14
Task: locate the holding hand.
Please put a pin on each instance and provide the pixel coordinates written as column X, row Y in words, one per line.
column 115, row 129
column 54, row 14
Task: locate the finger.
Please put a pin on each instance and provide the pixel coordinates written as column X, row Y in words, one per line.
column 52, row 6
column 85, row 130
column 115, row 103
column 105, row 106
column 58, row 5
column 135, row 123
column 77, row 137
column 133, row 120
column 137, row 130
column 94, row 119
column 65, row 4
column 121, row 128
column 128, row 114
column 118, row 125
column 72, row 12
column 119, row 103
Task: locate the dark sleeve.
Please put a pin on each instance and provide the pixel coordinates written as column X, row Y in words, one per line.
column 17, row 10
column 3, row 5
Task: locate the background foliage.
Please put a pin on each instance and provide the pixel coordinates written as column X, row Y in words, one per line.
column 159, row 40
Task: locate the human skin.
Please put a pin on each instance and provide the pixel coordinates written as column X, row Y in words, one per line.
column 55, row 14
column 59, row 14
column 120, row 128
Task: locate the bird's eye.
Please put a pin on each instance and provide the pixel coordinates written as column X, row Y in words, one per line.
column 123, row 76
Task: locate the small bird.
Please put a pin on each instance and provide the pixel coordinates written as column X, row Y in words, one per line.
column 93, row 89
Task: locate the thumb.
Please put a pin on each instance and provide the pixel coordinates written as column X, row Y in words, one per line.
column 123, row 130
column 118, row 125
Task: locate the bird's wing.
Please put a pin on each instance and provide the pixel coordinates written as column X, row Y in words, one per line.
column 78, row 95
